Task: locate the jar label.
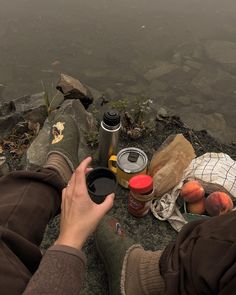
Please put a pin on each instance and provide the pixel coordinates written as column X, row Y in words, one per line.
column 138, row 208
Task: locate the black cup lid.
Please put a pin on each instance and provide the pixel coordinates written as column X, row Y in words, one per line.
column 111, row 118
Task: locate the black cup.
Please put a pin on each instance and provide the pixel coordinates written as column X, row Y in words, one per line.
column 100, row 183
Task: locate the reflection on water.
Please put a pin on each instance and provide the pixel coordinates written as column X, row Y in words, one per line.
column 182, row 53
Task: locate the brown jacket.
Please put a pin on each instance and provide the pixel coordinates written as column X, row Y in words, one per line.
column 203, row 258
column 60, row 272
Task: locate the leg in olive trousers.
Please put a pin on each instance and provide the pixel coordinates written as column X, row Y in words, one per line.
column 28, row 200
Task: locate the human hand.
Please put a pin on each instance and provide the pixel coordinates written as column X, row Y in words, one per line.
column 79, row 214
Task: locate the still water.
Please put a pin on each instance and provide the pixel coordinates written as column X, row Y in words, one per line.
column 179, row 53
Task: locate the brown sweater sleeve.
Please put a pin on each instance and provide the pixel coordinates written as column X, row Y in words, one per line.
column 60, row 272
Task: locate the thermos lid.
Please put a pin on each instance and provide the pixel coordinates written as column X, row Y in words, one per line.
column 141, row 184
column 111, row 118
column 132, row 160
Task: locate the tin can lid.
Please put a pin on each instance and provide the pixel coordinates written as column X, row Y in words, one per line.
column 141, row 184
column 132, row 160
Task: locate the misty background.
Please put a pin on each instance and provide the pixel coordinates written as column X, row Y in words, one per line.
column 179, row 53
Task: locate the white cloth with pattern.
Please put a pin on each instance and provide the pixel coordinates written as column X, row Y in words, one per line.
column 217, row 168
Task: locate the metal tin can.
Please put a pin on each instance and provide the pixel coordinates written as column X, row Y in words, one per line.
column 129, row 162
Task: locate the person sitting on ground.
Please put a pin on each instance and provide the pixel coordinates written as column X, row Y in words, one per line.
column 200, row 261
column 28, row 200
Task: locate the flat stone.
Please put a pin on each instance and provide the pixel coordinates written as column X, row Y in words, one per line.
column 193, row 64
column 179, row 79
column 214, row 123
column 160, row 70
column 184, row 100
column 111, row 93
column 177, row 59
column 37, row 152
column 186, row 69
column 31, row 107
column 156, row 85
column 223, row 52
column 26, row 108
column 72, row 88
column 191, row 50
column 136, row 89
column 95, row 74
column 95, row 93
column 211, row 80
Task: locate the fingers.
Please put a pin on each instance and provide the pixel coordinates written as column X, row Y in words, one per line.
column 71, row 185
column 107, row 204
column 80, row 172
column 88, row 169
column 84, row 164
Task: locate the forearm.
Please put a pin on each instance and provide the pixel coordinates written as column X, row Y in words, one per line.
column 61, row 271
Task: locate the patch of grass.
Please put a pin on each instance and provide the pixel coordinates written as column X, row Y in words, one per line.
column 52, row 99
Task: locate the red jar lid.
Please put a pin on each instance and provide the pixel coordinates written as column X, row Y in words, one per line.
column 141, row 184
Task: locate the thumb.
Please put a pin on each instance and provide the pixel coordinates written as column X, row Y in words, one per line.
column 107, row 204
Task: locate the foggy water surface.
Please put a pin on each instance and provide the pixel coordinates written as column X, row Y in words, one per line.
column 182, row 53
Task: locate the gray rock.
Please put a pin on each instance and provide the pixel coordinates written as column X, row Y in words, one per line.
column 162, row 112
column 160, row 70
column 212, row 81
column 184, row 100
column 72, row 88
column 95, row 74
column 156, row 85
column 96, row 94
column 136, row 89
column 192, row 50
column 31, row 107
column 198, row 52
column 179, row 79
column 37, row 152
column 25, row 108
column 214, row 123
column 193, row 64
column 223, row 52
column 177, row 59
column 186, row 69
column 111, row 93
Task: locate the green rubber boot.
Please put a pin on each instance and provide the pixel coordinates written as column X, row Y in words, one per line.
column 64, row 140
column 112, row 245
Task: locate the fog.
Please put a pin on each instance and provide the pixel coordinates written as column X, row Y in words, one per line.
column 119, row 47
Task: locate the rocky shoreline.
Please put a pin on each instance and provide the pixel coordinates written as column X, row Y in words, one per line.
column 24, row 127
